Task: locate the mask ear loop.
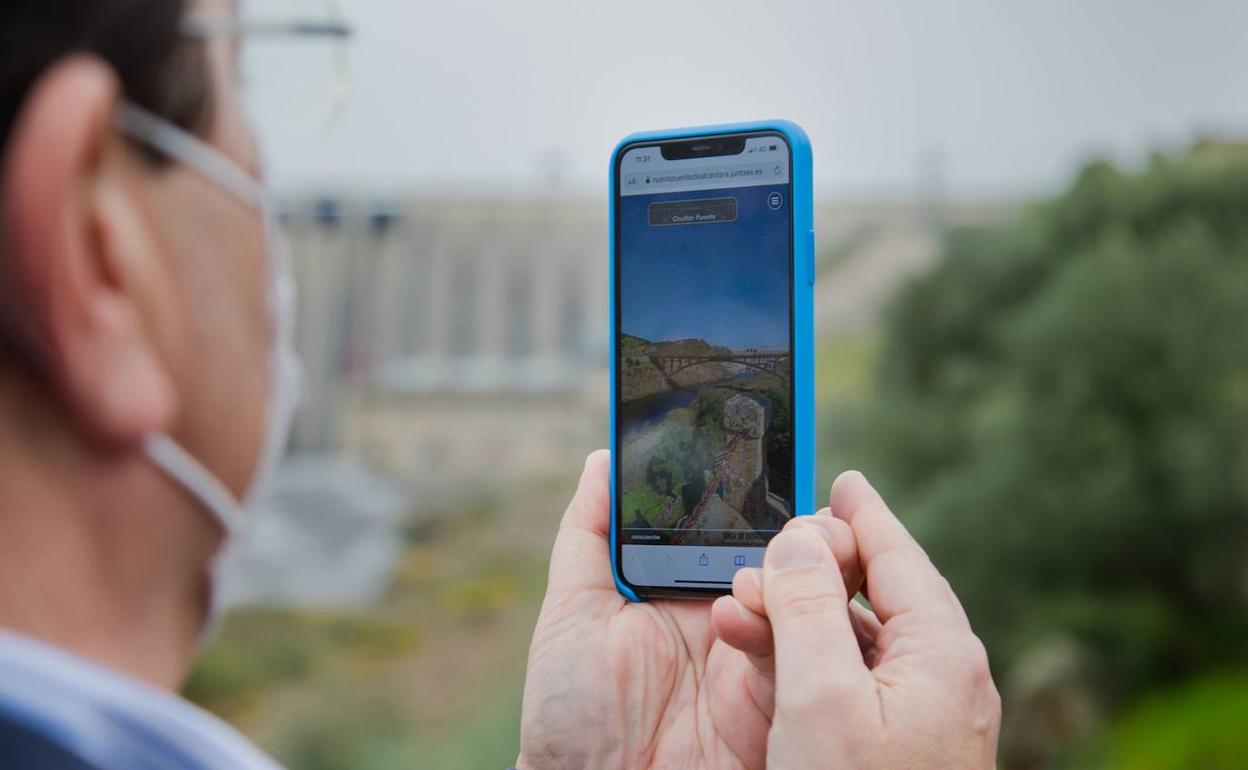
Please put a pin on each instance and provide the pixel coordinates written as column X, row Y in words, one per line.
column 211, row 494
column 178, row 463
column 195, row 153
column 216, row 167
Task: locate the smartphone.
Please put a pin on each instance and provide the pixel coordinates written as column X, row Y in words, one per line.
column 712, row 414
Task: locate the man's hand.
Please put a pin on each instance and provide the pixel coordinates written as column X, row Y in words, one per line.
column 904, row 686
column 612, row 684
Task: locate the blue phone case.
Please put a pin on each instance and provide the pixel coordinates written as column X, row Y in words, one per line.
column 803, row 309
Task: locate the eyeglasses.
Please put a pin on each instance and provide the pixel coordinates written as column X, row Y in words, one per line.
column 292, row 59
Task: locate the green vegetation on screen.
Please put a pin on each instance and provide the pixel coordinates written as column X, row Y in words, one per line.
column 691, row 438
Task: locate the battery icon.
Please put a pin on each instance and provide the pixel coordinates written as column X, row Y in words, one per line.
column 771, row 148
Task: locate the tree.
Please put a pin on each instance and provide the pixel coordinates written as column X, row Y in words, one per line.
column 1062, row 408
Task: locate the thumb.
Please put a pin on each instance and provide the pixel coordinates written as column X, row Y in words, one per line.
column 581, row 558
column 818, row 659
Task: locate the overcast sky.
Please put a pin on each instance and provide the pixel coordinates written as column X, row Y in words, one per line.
column 464, row 96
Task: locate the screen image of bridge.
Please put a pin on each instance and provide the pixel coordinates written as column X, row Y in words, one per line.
column 706, row 441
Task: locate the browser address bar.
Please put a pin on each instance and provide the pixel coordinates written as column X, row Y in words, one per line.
column 704, row 177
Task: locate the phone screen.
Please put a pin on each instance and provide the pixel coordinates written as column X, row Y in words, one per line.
column 704, row 370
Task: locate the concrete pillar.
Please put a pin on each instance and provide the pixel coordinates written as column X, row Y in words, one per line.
column 745, row 479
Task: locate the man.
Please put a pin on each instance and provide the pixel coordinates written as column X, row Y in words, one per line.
column 145, row 384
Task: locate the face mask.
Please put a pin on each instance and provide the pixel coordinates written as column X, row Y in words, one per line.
column 284, row 369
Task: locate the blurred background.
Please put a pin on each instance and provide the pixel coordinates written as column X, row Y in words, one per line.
column 1031, row 306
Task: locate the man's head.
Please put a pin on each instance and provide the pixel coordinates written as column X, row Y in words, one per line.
column 133, row 287
column 132, row 293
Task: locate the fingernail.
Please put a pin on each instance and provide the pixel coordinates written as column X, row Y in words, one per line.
column 754, row 574
column 840, row 488
column 795, row 548
column 846, row 477
column 742, row 612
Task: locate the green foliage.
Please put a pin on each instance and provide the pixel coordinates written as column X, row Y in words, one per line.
column 1062, row 407
column 635, row 346
column 675, row 467
column 711, row 416
column 1199, row 725
column 676, row 475
column 844, row 369
column 642, row 507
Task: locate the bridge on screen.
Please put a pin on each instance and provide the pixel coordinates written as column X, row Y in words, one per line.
column 762, row 359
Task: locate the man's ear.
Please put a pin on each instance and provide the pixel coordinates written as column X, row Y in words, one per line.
column 76, row 245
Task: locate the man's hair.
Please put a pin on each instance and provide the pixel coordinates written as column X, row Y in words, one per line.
column 159, row 68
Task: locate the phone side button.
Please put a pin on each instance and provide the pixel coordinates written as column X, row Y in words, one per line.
column 810, row 258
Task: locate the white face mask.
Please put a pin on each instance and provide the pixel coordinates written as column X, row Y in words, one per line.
column 284, row 369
